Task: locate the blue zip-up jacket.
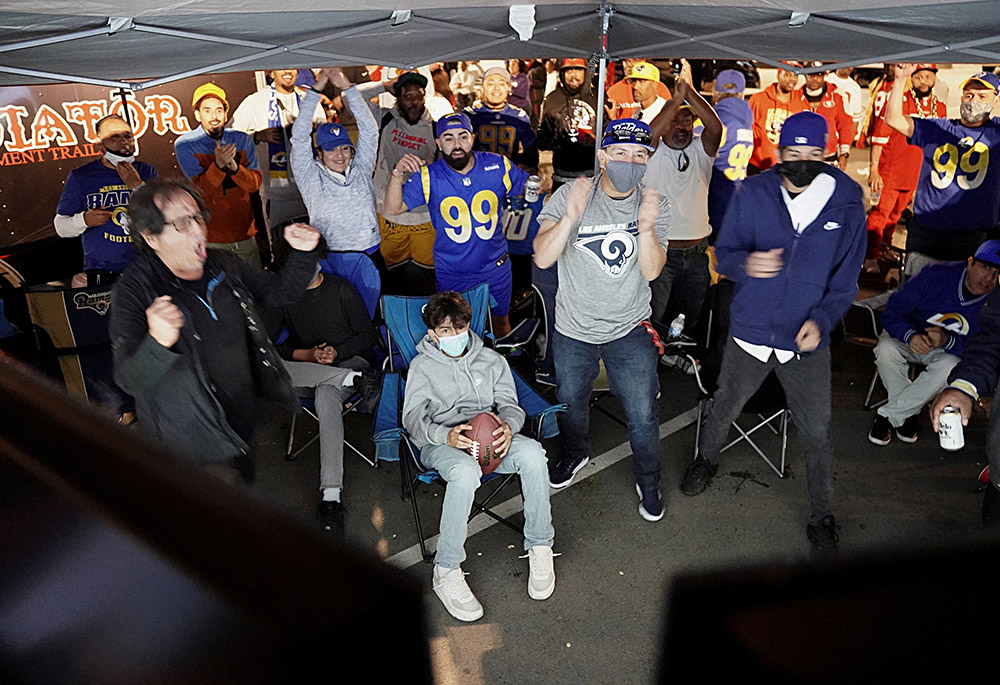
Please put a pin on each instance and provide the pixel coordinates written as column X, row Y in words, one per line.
column 979, row 369
column 934, row 292
column 818, row 281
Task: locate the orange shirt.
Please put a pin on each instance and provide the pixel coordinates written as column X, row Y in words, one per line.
column 623, row 104
column 769, row 114
column 839, row 126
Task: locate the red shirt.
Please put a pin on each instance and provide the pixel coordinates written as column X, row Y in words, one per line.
column 839, row 127
column 768, row 116
column 899, row 165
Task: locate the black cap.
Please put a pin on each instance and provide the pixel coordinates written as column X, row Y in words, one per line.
column 409, row 77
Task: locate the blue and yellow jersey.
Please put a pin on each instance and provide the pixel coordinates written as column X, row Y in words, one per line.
column 466, row 209
column 504, row 132
column 959, row 185
column 520, row 224
column 737, row 139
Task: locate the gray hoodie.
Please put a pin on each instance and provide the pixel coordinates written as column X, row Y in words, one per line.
column 442, row 392
column 341, row 206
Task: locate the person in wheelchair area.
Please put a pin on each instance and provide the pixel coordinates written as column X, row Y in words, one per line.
column 792, row 241
column 452, row 379
column 926, row 322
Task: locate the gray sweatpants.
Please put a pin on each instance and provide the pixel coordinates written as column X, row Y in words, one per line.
column 330, row 394
column 806, row 382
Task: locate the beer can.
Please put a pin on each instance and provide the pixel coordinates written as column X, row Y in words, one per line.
column 531, row 188
column 950, row 431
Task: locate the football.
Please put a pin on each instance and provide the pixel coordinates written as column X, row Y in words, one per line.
column 481, row 435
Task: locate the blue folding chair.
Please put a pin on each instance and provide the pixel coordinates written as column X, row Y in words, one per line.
column 358, row 269
column 405, row 328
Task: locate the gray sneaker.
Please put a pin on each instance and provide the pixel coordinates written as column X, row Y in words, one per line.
column 455, row 594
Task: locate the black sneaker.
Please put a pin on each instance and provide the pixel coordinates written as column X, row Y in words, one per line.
column 650, row 503
column 823, row 536
column 697, row 476
column 910, row 430
column 881, row 432
column 369, row 384
column 563, row 473
column 331, row 516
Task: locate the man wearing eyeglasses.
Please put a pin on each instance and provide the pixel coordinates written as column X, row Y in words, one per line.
column 94, row 201
column 188, row 342
column 609, row 237
column 681, row 169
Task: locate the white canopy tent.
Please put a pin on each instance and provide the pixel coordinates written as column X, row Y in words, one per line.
column 113, row 42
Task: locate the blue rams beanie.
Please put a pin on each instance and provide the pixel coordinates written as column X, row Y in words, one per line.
column 804, row 128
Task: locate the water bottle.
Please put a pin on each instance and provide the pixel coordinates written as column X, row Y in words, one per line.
column 676, row 327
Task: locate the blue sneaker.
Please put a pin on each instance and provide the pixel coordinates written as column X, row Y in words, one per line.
column 650, row 503
column 564, row 472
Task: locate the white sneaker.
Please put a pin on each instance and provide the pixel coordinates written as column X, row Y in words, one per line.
column 455, row 594
column 542, row 574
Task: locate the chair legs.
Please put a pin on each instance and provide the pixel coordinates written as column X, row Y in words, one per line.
column 292, row 456
column 782, row 431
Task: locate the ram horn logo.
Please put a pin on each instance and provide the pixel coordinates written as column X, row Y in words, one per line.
column 951, row 321
column 99, row 302
column 612, row 251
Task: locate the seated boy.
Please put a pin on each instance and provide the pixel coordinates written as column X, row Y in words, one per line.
column 451, row 380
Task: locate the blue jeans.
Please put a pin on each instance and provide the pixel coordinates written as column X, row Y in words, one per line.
column 631, row 365
column 462, row 473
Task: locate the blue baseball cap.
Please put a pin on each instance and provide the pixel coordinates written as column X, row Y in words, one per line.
column 730, row 81
column 804, row 128
column 452, row 121
column 332, row 136
column 989, row 252
column 621, row 131
column 986, row 78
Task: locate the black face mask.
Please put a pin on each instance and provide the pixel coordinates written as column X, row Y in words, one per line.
column 801, row 172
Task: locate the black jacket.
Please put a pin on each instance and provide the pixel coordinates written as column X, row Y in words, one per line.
column 980, row 363
column 567, row 128
column 174, row 400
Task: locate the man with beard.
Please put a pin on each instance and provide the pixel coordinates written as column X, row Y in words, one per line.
column 957, row 202
column 681, row 170
column 643, row 79
column 267, row 116
column 499, row 126
column 222, row 165
column 621, row 97
column 792, row 242
column 407, row 237
column 771, row 107
column 465, row 192
column 823, row 99
column 569, row 115
column 895, row 164
column 94, row 201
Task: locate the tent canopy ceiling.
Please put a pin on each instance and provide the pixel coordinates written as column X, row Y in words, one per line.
column 46, row 41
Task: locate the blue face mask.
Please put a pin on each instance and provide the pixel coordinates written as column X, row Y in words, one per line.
column 454, row 345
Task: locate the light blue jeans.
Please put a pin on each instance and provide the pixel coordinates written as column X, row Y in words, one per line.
column 462, row 473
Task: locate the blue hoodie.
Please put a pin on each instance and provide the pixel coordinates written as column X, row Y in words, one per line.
column 818, row 281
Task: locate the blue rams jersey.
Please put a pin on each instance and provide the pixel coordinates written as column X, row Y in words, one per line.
column 95, row 186
column 465, row 209
column 959, row 185
column 520, row 224
column 737, row 139
column 504, row 132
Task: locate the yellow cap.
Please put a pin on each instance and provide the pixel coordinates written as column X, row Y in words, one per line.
column 206, row 90
column 644, row 70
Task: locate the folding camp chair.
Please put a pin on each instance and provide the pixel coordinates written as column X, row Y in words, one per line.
column 767, row 404
column 71, row 325
column 360, row 271
column 405, row 328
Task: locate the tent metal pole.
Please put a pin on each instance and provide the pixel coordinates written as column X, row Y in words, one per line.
column 174, row 33
column 38, row 42
column 606, row 12
column 68, row 78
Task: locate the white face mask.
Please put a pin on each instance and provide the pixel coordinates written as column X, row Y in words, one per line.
column 117, row 159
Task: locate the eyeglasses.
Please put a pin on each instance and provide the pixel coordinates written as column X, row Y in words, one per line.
column 683, row 161
column 183, row 224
